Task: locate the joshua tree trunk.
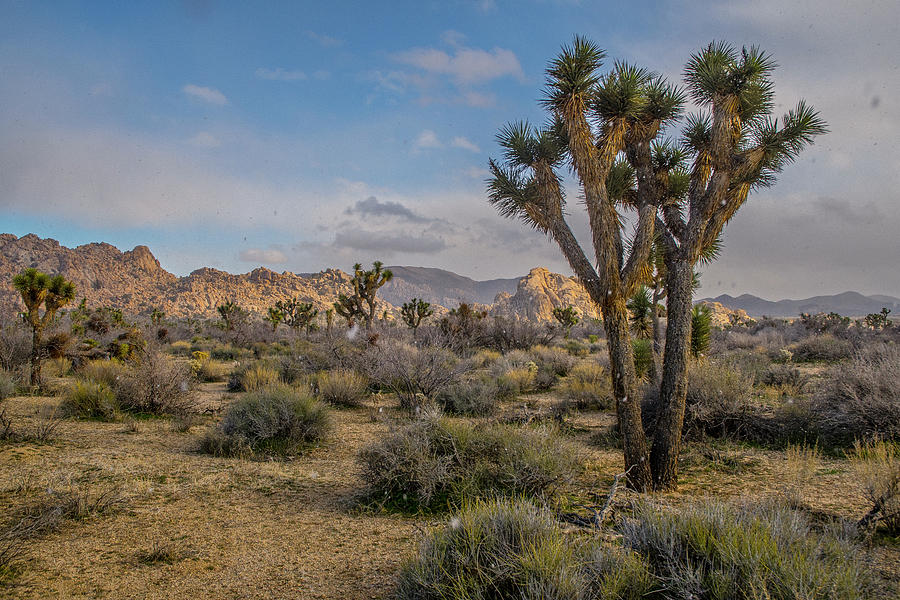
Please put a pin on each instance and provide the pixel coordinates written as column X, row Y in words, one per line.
column 657, row 334
column 673, row 389
column 36, row 356
column 627, row 394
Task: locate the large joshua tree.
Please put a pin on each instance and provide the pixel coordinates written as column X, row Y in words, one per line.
column 608, row 129
column 37, row 289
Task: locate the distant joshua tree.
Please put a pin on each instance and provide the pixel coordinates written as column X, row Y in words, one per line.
column 274, row 317
column 610, row 131
column 414, row 312
column 567, row 317
column 37, row 289
column 231, row 314
column 361, row 303
column 296, row 314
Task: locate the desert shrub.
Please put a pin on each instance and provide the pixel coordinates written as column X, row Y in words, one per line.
column 553, row 358
column 517, row 380
column 415, row 375
column 576, row 347
column 802, row 462
column 107, row 372
column 156, row 385
column 90, row 400
column 786, row 378
column 252, row 375
column 274, row 420
column 716, row 551
column 228, row 352
column 208, row 369
column 15, row 345
column 58, row 367
column 877, row 467
column 503, row 334
column 180, row 348
column 472, row 396
column 433, row 461
column 7, row 384
column 587, row 386
column 513, row 549
column 859, row 399
column 821, row 348
column 718, row 402
column 484, row 358
column 344, row 387
column 752, row 363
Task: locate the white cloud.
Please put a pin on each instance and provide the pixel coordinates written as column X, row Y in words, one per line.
column 206, row 94
column 465, row 144
column 205, row 139
column 272, row 256
column 427, row 139
column 279, row 74
column 466, row 66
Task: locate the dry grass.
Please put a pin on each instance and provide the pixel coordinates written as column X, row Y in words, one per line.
column 196, row 526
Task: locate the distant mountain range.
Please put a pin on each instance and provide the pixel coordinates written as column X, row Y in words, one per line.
column 135, row 282
column 848, row 304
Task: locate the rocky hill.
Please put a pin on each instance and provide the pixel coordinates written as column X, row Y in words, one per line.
column 135, row 282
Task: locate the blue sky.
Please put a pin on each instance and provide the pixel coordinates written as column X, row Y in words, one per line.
column 307, row 135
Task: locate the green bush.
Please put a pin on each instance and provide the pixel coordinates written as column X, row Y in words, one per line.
column 343, row 386
column 434, row 461
column 719, row 552
column 513, row 549
column 275, row 420
column 825, row 348
column 90, row 400
column 472, row 396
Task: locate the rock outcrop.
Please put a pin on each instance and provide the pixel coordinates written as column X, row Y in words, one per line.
column 541, row 291
column 722, row 316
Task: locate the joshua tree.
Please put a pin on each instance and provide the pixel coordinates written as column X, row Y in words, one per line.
column 231, row 314
column 274, row 317
column 296, row 314
column 567, row 317
column 365, row 284
column 414, row 312
column 329, row 319
column 701, row 320
column 608, row 129
column 641, row 307
column 156, row 316
column 36, row 289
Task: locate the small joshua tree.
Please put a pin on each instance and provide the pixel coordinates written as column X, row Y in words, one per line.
column 274, row 317
column 38, row 289
column 567, row 317
column 414, row 312
column 361, row 303
column 297, row 314
column 879, row 320
column 641, row 308
column 231, row 314
column 157, row 316
column 700, row 326
column 329, row 319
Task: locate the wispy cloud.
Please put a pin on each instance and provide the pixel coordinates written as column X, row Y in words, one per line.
column 427, row 139
column 324, row 40
column 279, row 74
column 465, row 144
column 206, row 94
column 466, row 66
column 272, row 256
column 377, row 241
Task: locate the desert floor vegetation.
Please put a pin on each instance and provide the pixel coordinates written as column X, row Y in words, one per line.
column 325, row 467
